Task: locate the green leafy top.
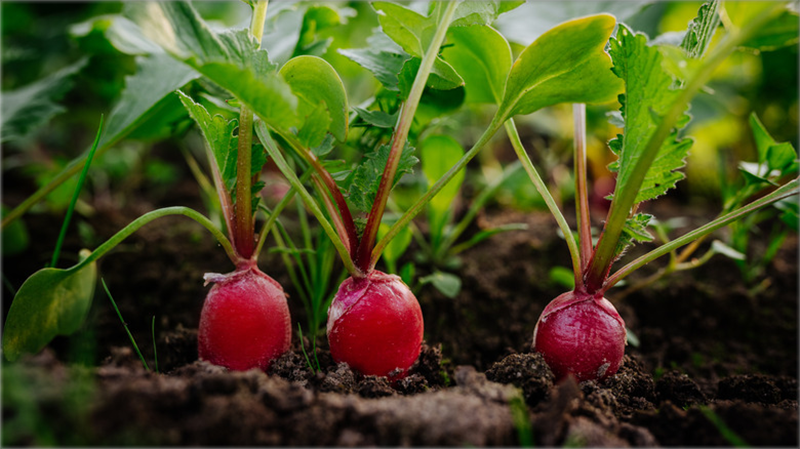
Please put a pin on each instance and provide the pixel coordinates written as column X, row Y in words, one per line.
column 320, row 91
column 361, row 185
column 222, row 140
column 31, row 106
column 406, row 34
column 566, row 64
column 775, row 161
column 649, row 93
column 414, row 32
column 701, row 29
column 482, row 57
column 232, row 60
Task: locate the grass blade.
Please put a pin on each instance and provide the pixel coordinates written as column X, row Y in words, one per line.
column 119, row 314
column 77, row 192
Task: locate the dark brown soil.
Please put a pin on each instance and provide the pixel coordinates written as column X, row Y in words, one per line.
column 716, row 365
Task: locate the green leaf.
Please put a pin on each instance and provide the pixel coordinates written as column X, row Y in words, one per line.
column 145, row 93
column 324, row 148
column 782, row 157
column 533, row 18
column 411, row 30
column 120, row 32
column 435, row 104
column 471, row 13
column 775, row 159
column 26, row 109
column 382, row 57
column 414, row 33
column 51, row 302
column 363, row 182
column 378, row 119
column 442, row 77
column 701, row 30
column 439, row 154
column 219, row 136
column 448, row 284
column 635, row 230
column 316, row 19
column 566, row 64
column 397, row 246
column 482, row 57
column 407, row 272
column 315, row 127
column 314, row 81
column 790, row 212
column 231, row 60
column 649, row 93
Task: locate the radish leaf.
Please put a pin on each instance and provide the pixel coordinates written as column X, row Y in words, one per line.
column 51, row 302
column 648, row 94
column 156, row 78
column 482, row 57
column 316, row 83
column 362, row 183
column 414, row 33
column 781, row 32
column 448, row 284
column 566, row 64
column 220, row 137
column 635, row 230
column 29, row 107
column 378, row 119
column 383, row 57
column 231, row 60
column 471, row 13
column 701, row 30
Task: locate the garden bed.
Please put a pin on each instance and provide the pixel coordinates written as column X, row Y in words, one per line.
column 712, row 360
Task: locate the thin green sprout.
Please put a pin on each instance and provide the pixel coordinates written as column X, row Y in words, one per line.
column 283, row 166
column 124, row 324
column 75, row 195
column 153, row 333
column 303, row 347
column 574, row 252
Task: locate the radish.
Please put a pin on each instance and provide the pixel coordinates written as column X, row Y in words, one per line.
column 245, row 321
column 581, row 334
column 375, row 325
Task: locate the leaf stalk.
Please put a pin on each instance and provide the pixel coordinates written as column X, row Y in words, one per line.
column 365, row 252
column 538, row 182
column 623, row 201
column 785, row 191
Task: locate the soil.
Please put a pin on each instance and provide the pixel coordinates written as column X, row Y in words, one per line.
column 716, row 364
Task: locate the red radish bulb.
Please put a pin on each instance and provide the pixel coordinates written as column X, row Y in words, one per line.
column 375, row 325
column 581, row 334
column 245, row 320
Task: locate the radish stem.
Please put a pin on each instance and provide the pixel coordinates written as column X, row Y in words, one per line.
column 365, row 250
